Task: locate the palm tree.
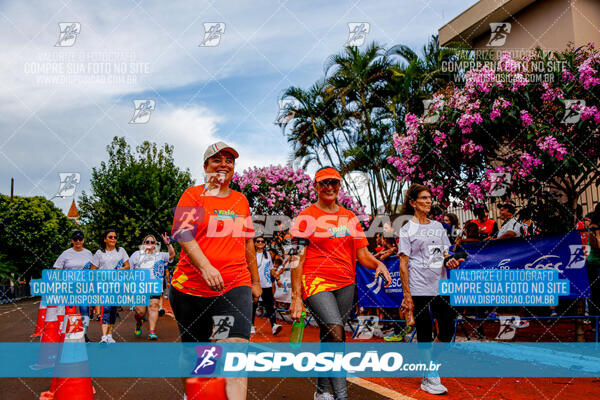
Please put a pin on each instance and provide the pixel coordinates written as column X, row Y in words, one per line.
column 357, row 79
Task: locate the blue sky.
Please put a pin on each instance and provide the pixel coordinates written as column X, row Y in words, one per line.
column 203, row 94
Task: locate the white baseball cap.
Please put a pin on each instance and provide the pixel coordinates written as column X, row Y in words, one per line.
column 217, row 147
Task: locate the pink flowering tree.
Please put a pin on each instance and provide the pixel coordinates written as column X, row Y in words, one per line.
column 509, row 119
column 277, row 190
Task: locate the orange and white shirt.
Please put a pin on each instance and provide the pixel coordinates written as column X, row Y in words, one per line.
column 220, row 226
column 330, row 257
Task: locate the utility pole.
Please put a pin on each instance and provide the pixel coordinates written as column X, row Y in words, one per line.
column 12, row 188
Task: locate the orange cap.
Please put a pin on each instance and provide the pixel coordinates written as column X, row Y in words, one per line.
column 327, row 173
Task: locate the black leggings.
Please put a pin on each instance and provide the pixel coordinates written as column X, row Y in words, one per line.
column 194, row 314
column 268, row 303
column 442, row 311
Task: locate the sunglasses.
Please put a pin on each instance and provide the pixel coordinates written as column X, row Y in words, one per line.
column 259, row 241
column 329, row 182
column 77, row 239
column 112, row 237
column 149, row 242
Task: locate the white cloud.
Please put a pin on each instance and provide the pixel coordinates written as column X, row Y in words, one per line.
column 67, row 127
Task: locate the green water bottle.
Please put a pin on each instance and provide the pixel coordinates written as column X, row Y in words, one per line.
column 297, row 332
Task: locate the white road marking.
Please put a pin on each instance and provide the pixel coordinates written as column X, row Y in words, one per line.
column 14, row 309
column 392, row 394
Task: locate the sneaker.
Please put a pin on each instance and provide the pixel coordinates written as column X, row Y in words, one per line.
column 252, row 330
column 138, row 329
column 104, row 339
column 433, row 385
column 87, row 339
column 276, row 329
column 161, row 312
column 553, row 314
column 98, row 317
column 109, row 339
column 394, row 338
column 587, row 321
column 152, row 336
column 323, row 396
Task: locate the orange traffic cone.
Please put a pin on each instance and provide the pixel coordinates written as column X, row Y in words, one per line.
column 60, row 310
column 205, row 389
column 72, row 381
column 50, row 340
column 41, row 317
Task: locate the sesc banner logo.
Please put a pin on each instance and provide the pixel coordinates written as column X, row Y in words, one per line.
column 207, row 359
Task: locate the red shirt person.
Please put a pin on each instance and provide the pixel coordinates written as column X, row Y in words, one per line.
column 216, row 278
column 487, row 226
column 324, row 277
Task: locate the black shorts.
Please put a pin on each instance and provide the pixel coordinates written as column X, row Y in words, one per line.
column 194, row 314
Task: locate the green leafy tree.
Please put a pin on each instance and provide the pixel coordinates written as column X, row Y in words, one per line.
column 33, row 233
column 346, row 118
column 133, row 193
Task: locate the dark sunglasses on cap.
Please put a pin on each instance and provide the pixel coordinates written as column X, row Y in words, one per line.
column 329, row 182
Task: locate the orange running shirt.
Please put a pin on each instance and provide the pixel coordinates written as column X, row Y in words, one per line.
column 330, row 258
column 221, row 226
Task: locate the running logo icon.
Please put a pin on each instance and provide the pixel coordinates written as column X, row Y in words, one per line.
column 222, row 324
column 430, row 115
column 68, row 184
column 142, row 110
column 185, row 222
column 500, row 182
column 499, row 33
column 286, row 113
column 577, row 256
column 207, row 359
column 573, row 110
column 68, row 33
column 376, row 285
column 358, row 33
column 366, row 326
column 509, row 325
column 212, row 34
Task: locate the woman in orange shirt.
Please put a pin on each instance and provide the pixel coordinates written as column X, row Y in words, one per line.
column 216, row 275
column 325, row 276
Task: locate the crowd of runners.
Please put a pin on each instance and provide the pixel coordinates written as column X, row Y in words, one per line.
column 225, row 274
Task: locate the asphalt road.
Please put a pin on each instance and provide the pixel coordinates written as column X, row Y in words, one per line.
column 17, row 322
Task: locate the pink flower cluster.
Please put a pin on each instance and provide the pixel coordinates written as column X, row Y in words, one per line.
column 466, row 121
column 507, row 64
column 590, row 112
column 440, row 138
column 526, row 118
column 528, row 162
column 406, row 160
column 499, row 104
column 284, row 190
column 550, row 94
column 470, row 148
column 437, row 191
column 587, row 72
column 481, row 80
column 552, row 146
